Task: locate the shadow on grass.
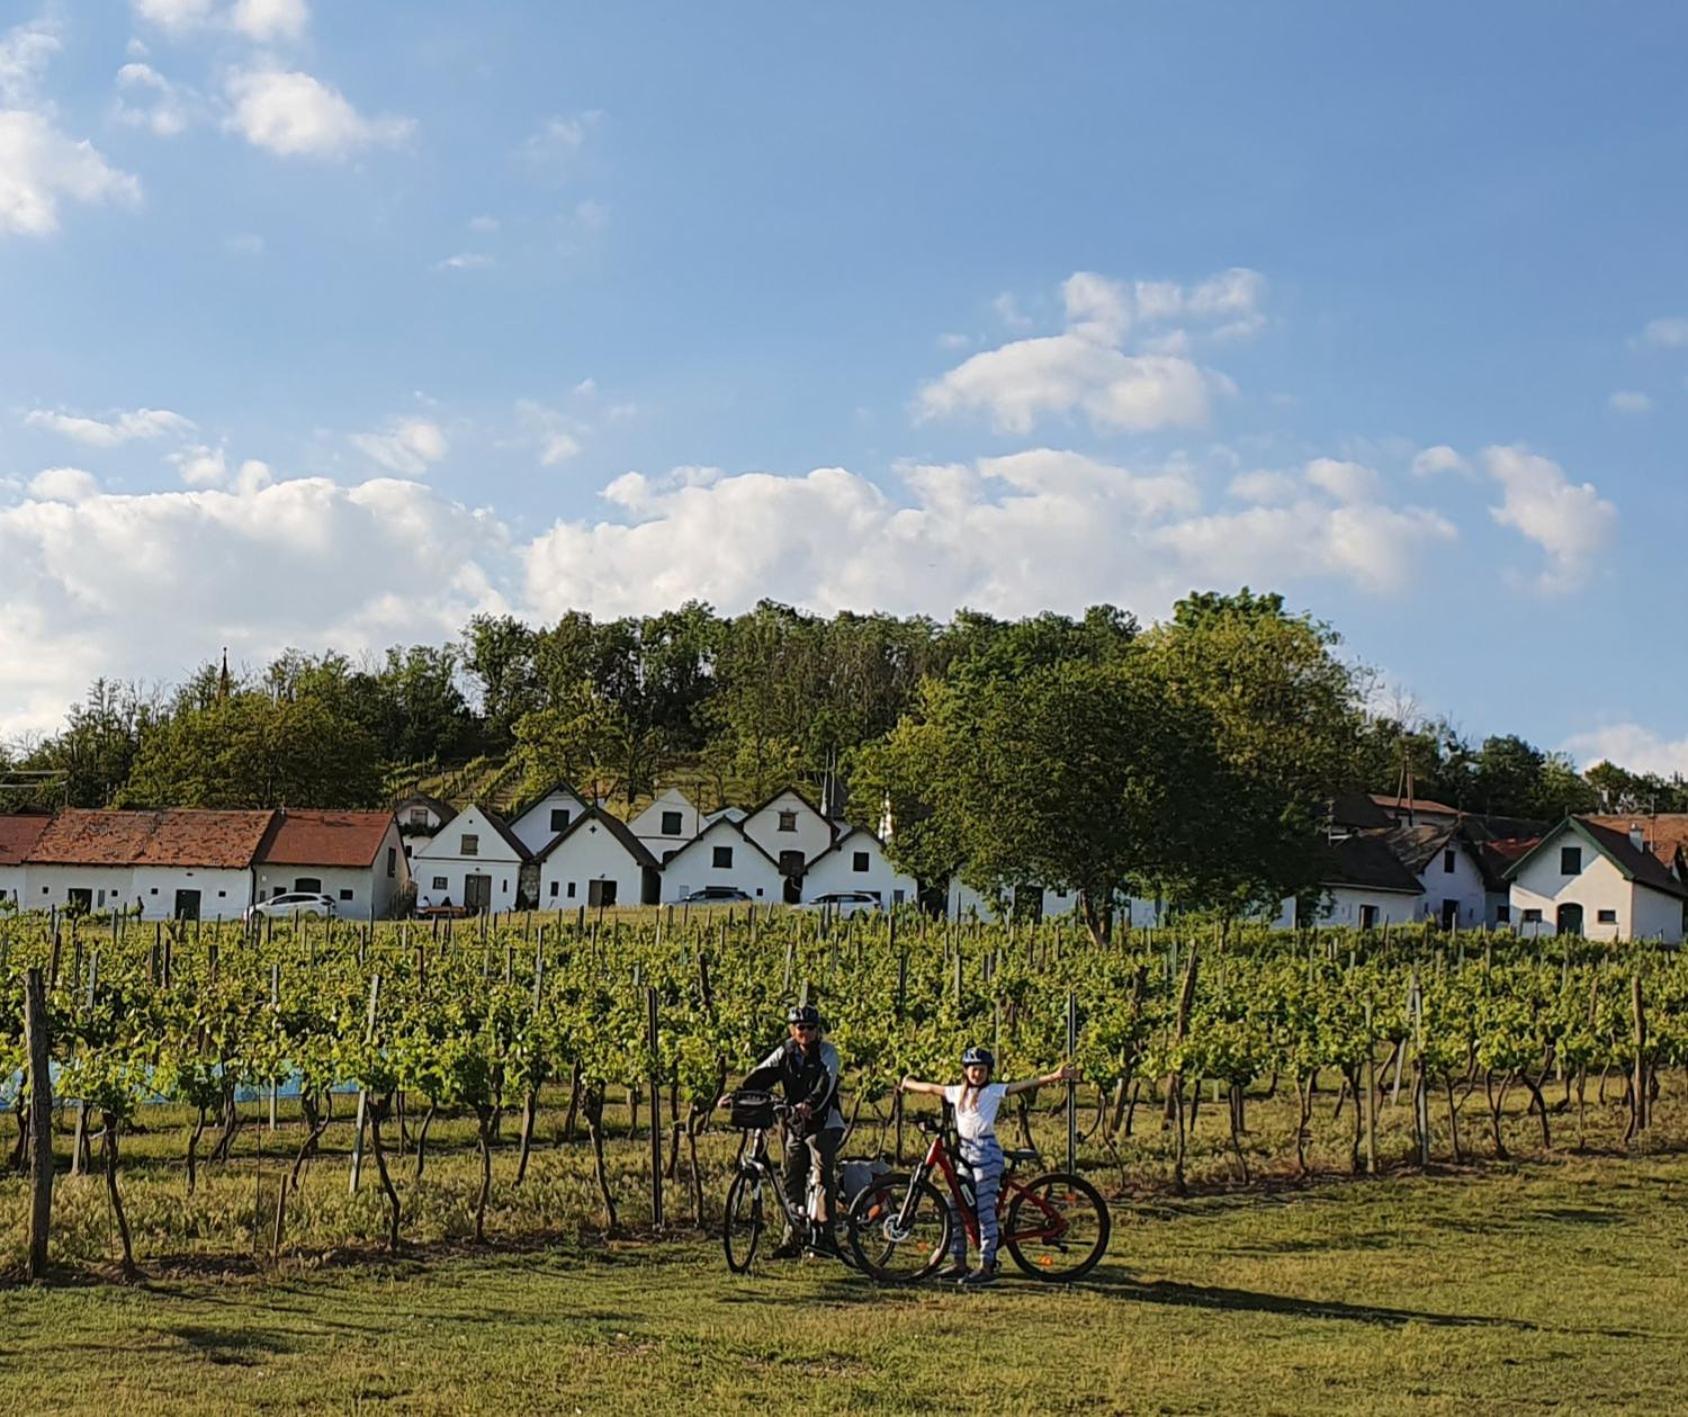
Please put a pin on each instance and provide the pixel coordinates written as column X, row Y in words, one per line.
column 245, row 1347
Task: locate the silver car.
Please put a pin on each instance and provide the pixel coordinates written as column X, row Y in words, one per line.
column 290, row 903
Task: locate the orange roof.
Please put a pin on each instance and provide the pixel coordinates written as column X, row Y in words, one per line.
column 18, row 833
column 325, row 838
column 177, row 837
column 1664, row 833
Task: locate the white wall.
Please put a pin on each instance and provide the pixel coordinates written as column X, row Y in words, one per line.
column 1598, row 886
column 836, row 871
column 223, row 893
column 811, row 836
column 533, row 828
column 693, row 868
column 441, row 860
column 14, row 886
column 370, row 886
column 1342, row 906
column 963, row 900
column 1463, row 885
column 591, row 853
column 47, row 886
column 647, row 826
column 1657, row 916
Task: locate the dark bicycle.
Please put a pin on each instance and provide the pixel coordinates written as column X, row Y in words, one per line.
column 755, row 1114
column 1054, row 1226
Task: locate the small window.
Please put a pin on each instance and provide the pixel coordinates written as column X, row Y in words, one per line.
column 440, row 883
column 470, row 846
column 1368, row 917
column 1570, row 860
column 859, row 861
column 672, row 824
column 559, row 819
column 392, row 861
column 571, row 890
column 1606, row 917
column 1448, row 863
column 221, row 894
column 155, row 890
column 419, row 816
column 788, row 821
column 345, row 895
column 1503, row 914
column 504, row 886
column 897, row 897
column 555, row 886
column 1532, row 917
column 722, row 859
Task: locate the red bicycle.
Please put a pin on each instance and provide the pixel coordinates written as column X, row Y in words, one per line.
column 1055, row 1226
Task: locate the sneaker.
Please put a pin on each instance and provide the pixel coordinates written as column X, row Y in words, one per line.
column 788, row 1249
column 956, row 1271
column 825, row 1243
column 984, row 1274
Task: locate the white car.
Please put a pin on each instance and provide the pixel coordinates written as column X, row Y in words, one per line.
column 290, row 903
column 844, row 903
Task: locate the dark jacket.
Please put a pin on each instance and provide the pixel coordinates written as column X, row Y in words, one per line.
column 803, row 1077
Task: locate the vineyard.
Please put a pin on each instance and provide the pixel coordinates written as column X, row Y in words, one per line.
column 297, row 1089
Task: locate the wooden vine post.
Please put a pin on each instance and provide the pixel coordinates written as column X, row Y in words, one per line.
column 1072, row 1086
column 363, row 1093
column 656, row 1108
column 40, row 1121
column 1369, row 1082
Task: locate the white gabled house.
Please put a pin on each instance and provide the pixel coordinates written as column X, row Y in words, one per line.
column 19, row 832
column 1451, row 872
column 598, row 863
column 668, row 823
column 1367, row 886
column 857, row 862
column 547, row 817
column 355, row 857
column 475, row 862
column 793, row 831
column 420, row 817
column 1591, row 880
column 723, row 855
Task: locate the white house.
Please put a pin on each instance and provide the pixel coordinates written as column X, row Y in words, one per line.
column 355, row 857
column 793, row 831
column 1366, row 886
column 597, row 862
column 668, row 823
column 18, row 834
column 475, row 862
column 547, row 817
column 176, row 864
column 420, row 817
column 723, row 856
column 857, row 862
column 1450, row 871
column 1040, row 903
column 1586, row 879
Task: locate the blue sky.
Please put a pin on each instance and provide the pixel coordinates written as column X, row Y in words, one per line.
column 334, row 323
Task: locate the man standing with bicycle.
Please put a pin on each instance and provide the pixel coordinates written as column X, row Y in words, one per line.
column 805, row 1066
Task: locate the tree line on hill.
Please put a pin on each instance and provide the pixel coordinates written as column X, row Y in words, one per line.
column 1192, row 756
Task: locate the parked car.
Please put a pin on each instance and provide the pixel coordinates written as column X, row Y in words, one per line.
column 444, row 911
column 844, row 903
column 290, row 903
column 714, row 895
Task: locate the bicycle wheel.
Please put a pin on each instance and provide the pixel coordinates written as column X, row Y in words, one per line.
column 1057, row 1227
column 898, row 1238
column 741, row 1225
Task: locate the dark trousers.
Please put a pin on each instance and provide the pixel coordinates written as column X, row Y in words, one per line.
column 817, row 1149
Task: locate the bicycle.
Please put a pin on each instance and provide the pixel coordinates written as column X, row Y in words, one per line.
column 755, row 1113
column 1055, row 1226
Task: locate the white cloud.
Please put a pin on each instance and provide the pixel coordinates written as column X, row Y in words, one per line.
column 110, row 432
column 955, row 341
column 553, row 150
column 483, row 225
column 465, row 261
column 25, row 52
column 262, row 21
column 554, row 434
column 146, row 99
column 293, row 114
column 1009, row 312
column 1632, row 746
column 149, row 585
column 1088, row 369
column 40, row 167
column 1263, row 485
column 1441, row 458
column 201, row 466
column 1041, row 529
column 1571, row 522
column 63, row 484
column 1629, row 401
column 1345, row 481
column 408, row 445
column 1667, row 332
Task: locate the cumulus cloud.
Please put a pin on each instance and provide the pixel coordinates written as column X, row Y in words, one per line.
column 1263, row 485
column 294, row 114
column 201, row 466
column 25, row 52
column 1632, row 746
column 1345, row 481
column 146, row 99
column 1088, row 369
column 263, row 21
column 114, row 430
column 1666, row 332
column 63, row 484
column 1629, row 401
column 147, row 585
column 1571, row 522
column 408, row 446
column 1441, row 458
column 1011, row 535
column 40, row 167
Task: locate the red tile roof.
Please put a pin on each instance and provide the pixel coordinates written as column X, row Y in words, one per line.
column 177, row 837
column 18, row 833
column 1663, row 833
column 304, row 838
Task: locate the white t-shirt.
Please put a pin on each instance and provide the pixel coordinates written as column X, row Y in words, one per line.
column 977, row 1121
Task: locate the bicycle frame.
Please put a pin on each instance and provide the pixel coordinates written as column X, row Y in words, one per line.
column 758, row 1164
column 938, row 1157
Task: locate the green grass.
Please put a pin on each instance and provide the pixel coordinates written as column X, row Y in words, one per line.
column 1556, row 1283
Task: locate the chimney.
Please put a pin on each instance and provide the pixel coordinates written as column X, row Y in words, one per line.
column 1637, row 837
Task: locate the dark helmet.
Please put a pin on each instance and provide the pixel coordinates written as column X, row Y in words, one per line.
column 976, row 1054
column 804, row 1013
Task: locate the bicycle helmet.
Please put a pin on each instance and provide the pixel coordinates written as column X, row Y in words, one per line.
column 982, row 1056
column 804, row 1014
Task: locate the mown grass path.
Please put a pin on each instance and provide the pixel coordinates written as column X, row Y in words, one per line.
column 1556, row 1285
